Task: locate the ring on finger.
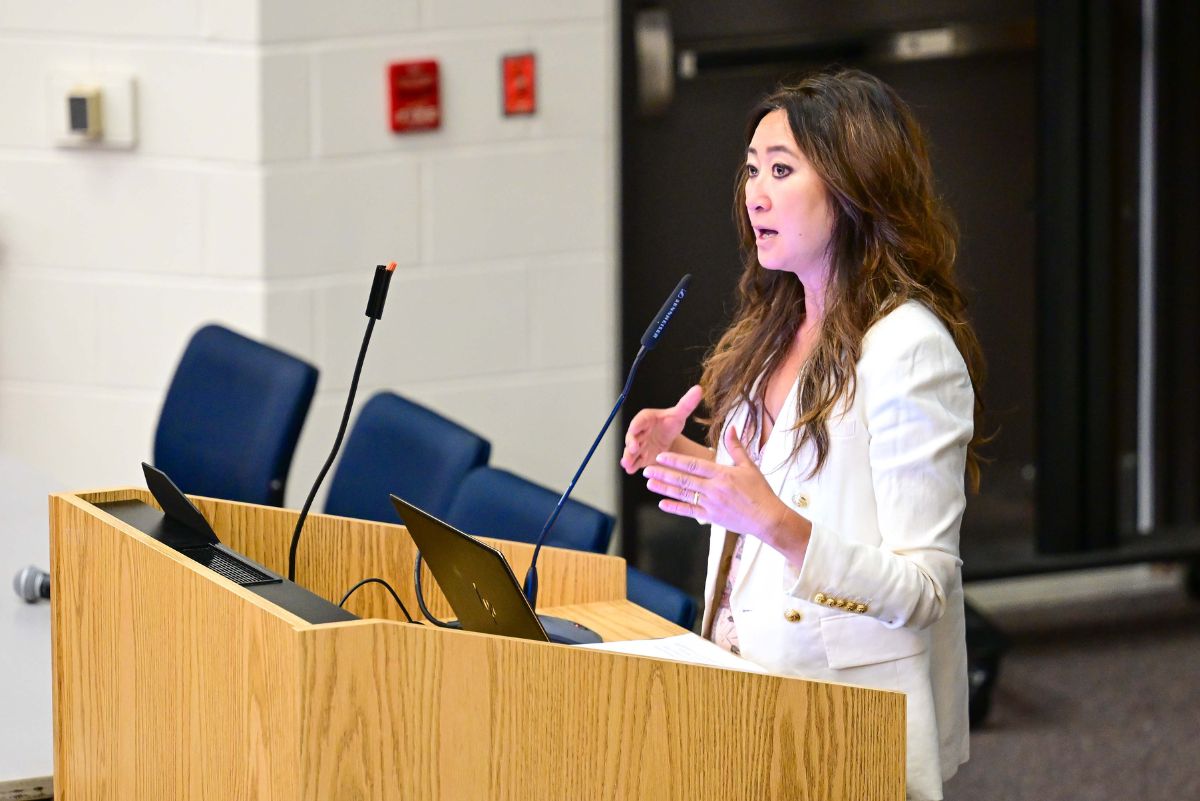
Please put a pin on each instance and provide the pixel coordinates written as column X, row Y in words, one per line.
column 696, row 498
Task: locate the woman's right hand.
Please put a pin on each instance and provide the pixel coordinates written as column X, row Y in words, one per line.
column 653, row 431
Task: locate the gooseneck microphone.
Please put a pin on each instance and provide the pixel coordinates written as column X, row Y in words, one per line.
column 32, row 584
column 649, row 341
column 379, row 288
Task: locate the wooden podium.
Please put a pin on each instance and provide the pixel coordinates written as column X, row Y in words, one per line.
column 171, row 682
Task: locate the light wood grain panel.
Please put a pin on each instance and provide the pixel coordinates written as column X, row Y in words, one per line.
column 337, row 552
column 167, row 683
column 172, row 683
column 114, row 494
column 617, row 620
column 453, row 715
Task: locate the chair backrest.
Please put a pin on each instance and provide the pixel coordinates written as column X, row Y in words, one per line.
column 495, row 503
column 232, row 416
column 400, row 446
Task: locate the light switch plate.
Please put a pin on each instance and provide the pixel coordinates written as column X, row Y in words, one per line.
column 118, row 107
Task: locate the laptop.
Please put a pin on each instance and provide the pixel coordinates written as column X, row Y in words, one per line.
column 181, row 527
column 479, row 583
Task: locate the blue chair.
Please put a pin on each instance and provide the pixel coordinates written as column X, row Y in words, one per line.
column 495, row 503
column 398, row 446
column 663, row 599
column 231, row 418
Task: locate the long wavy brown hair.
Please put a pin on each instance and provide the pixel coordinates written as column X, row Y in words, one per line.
column 892, row 241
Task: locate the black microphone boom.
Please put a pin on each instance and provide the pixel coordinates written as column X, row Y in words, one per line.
column 649, row 340
column 379, row 288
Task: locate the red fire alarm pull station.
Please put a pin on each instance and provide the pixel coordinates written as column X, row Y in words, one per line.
column 520, row 84
column 415, row 99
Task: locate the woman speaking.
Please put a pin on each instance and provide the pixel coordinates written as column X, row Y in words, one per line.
column 844, row 416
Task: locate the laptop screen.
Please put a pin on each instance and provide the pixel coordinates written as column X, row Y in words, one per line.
column 475, row 578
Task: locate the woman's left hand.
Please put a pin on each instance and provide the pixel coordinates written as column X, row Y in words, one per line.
column 735, row 496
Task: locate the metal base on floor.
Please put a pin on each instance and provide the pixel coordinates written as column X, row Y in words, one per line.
column 986, row 645
column 27, row 789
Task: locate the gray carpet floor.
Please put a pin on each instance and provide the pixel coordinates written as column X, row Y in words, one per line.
column 1094, row 701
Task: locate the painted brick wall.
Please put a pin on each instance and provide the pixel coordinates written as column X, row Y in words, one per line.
column 264, row 188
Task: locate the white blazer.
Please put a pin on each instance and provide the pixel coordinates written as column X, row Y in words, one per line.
column 878, row 601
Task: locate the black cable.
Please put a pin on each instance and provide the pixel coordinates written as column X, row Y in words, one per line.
column 421, row 596
column 373, row 580
column 362, row 355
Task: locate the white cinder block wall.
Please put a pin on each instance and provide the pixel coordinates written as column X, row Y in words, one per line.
column 264, row 188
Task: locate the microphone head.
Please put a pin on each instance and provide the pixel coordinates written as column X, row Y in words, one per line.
column 31, row 584
column 659, row 324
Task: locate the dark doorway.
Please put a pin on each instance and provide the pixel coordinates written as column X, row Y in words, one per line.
column 968, row 69
column 1063, row 139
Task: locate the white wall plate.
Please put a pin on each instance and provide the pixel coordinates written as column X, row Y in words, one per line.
column 118, row 103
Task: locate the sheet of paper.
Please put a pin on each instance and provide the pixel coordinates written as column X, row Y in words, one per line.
column 681, row 648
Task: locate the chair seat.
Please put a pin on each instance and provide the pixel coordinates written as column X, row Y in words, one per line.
column 663, row 599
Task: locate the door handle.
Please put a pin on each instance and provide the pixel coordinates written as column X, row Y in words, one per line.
column 654, row 50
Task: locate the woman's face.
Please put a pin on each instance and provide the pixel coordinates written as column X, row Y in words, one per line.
column 786, row 202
